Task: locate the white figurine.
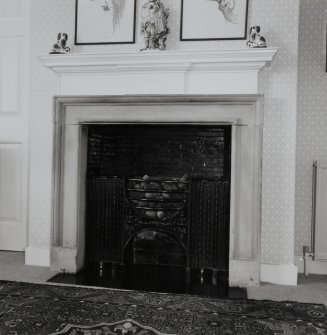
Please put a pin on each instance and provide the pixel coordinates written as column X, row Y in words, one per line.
column 60, row 47
column 256, row 40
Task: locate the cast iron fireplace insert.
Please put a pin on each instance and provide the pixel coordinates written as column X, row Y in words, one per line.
column 158, row 206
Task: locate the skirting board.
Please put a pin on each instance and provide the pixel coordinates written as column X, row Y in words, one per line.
column 37, row 256
column 282, row 274
column 314, row 267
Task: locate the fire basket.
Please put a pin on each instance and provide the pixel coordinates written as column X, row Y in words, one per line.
column 157, row 198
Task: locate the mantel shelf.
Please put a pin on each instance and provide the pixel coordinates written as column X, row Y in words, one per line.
column 161, row 61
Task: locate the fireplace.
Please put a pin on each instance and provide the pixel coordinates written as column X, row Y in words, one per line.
column 84, row 124
column 159, row 195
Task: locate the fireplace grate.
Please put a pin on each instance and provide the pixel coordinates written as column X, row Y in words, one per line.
column 157, row 198
column 202, row 225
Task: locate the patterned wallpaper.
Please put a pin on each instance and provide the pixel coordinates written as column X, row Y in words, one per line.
column 311, row 137
column 279, row 24
column 279, row 84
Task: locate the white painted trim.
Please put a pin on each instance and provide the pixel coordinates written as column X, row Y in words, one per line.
column 174, row 72
column 314, row 267
column 282, row 274
column 26, row 102
column 37, row 256
column 319, row 228
column 172, row 61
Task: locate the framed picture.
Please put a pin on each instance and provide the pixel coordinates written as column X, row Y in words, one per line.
column 105, row 21
column 213, row 20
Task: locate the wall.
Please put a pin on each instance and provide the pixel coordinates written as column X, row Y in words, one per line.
column 311, row 136
column 279, row 22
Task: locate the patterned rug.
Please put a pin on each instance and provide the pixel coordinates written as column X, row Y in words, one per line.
column 27, row 309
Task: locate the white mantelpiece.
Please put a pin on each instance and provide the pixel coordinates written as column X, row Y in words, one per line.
column 169, row 72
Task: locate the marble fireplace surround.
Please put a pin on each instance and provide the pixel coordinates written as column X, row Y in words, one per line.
column 202, row 86
column 244, row 113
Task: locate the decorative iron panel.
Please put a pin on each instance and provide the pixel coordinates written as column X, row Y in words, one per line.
column 104, row 220
column 209, row 209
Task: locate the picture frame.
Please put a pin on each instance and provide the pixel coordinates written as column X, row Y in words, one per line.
column 105, row 22
column 224, row 20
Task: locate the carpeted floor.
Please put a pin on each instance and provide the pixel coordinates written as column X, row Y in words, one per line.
column 310, row 289
column 48, row 309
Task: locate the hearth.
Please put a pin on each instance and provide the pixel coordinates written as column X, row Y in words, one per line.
column 164, row 279
column 158, row 199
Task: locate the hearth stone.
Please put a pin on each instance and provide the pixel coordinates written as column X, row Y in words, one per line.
column 154, row 278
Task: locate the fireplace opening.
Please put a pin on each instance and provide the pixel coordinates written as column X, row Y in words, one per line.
column 158, row 198
column 158, row 207
column 154, row 260
column 155, row 247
